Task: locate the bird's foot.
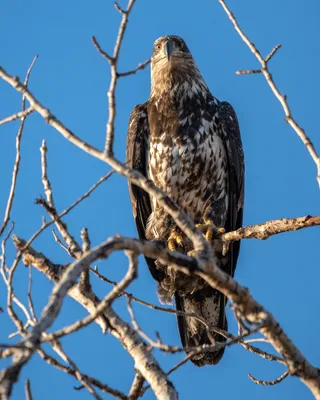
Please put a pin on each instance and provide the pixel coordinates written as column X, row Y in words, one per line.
column 174, row 238
column 210, row 230
column 225, row 247
column 192, row 253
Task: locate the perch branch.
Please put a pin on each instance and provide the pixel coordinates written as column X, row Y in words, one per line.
column 270, row 228
column 245, row 306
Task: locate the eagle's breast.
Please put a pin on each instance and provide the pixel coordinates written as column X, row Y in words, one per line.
column 187, row 158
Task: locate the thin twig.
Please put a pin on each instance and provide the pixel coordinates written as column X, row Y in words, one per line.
column 25, row 327
column 49, row 206
column 18, row 156
column 59, row 241
column 10, row 293
column 194, row 350
column 44, row 174
column 61, row 215
column 248, row 71
column 149, row 305
column 20, row 114
column 103, row 387
column 269, row 383
column 140, row 67
column 31, row 306
column 86, row 246
column 273, row 52
column 100, row 50
column 28, row 390
column 78, row 374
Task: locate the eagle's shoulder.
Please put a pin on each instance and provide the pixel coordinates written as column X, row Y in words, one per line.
column 137, row 136
column 137, row 158
column 138, row 123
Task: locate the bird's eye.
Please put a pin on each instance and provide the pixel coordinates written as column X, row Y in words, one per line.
column 158, row 46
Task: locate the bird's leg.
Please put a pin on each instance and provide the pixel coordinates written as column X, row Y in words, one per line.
column 210, row 230
column 174, row 238
column 225, row 247
column 192, row 253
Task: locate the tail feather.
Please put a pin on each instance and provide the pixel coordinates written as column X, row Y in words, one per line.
column 210, row 305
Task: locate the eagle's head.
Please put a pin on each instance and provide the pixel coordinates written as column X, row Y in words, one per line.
column 171, row 63
column 169, row 50
column 173, row 69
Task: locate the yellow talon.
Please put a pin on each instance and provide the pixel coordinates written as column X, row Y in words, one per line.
column 209, row 233
column 179, row 239
column 174, row 238
column 171, row 244
column 210, row 230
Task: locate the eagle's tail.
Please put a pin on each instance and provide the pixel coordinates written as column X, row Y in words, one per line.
column 209, row 304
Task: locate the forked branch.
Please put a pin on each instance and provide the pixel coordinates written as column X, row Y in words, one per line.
column 289, row 118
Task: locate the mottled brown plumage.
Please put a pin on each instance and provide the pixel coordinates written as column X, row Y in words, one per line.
column 188, row 143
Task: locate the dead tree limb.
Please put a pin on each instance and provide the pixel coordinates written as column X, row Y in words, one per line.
column 289, row 118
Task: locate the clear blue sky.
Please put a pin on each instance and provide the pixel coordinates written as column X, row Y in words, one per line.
column 71, row 78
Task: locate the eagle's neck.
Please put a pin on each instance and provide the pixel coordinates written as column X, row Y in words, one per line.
column 177, row 82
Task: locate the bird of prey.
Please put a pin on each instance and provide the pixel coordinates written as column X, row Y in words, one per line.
column 188, row 143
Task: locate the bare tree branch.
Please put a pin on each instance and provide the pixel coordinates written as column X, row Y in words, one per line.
column 49, row 206
column 251, row 315
column 103, row 387
column 106, row 302
column 18, row 115
column 145, row 363
column 86, row 246
column 270, row 228
column 133, row 71
column 30, row 301
column 70, row 208
column 136, row 387
column 18, row 156
column 225, row 334
column 113, row 61
column 130, row 296
column 44, row 174
column 58, row 348
column 245, row 306
column 28, row 390
column 269, row 383
column 282, row 98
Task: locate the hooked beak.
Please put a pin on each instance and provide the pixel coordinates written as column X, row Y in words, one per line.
column 168, row 48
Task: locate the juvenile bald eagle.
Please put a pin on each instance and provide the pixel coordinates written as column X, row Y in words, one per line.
column 188, row 143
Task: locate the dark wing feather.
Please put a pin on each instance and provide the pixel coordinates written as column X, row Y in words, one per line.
column 137, row 158
column 231, row 134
